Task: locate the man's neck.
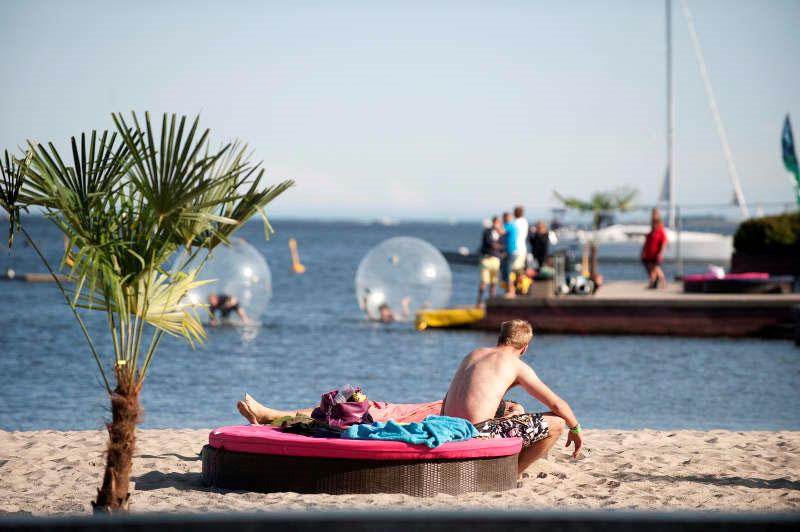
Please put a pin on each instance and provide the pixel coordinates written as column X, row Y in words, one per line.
column 510, row 349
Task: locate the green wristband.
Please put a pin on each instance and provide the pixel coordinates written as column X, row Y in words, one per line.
column 576, row 429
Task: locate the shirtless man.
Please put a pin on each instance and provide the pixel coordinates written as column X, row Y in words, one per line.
column 484, row 377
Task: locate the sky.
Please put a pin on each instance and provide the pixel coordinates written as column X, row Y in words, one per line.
column 430, row 110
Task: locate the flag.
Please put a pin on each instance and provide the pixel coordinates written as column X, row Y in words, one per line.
column 790, row 155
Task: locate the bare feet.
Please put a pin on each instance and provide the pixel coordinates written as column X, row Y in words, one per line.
column 263, row 414
column 247, row 413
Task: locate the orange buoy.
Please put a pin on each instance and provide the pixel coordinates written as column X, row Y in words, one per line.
column 297, row 266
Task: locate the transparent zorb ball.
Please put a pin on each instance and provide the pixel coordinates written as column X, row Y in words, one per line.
column 242, row 279
column 400, row 276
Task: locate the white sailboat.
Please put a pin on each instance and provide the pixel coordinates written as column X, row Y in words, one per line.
column 623, row 241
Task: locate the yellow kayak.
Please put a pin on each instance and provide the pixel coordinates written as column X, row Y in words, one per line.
column 448, row 317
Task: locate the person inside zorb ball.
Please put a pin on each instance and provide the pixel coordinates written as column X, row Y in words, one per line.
column 242, row 284
column 400, row 276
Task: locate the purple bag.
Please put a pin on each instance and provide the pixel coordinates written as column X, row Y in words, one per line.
column 339, row 414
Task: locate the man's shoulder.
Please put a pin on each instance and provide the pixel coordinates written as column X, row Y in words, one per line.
column 479, row 351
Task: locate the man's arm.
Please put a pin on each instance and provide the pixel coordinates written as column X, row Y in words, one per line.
column 531, row 383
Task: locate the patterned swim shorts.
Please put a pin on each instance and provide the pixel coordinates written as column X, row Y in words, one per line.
column 530, row 427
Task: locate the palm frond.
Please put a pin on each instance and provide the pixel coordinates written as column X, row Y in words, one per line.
column 12, row 177
column 574, row 203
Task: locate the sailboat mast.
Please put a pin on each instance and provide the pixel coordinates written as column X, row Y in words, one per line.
column 671, row 173
column 712, row 104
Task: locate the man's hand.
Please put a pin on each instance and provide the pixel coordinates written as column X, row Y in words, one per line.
column 514, row 409
column 577, row 440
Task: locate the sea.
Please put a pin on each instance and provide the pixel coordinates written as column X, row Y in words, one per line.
column 314, row 338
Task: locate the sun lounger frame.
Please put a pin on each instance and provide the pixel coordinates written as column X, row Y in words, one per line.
column 420, row 478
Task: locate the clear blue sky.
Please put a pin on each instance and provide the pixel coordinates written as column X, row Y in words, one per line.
column 422, row 109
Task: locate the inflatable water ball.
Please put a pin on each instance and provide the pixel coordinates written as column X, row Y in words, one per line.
column 243, row 285
column 400, row 276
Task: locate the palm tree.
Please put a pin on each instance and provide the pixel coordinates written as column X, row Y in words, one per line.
column 601, row 204
column 127, row 202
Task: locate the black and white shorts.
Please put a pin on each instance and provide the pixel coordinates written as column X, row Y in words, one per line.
column 530, row 427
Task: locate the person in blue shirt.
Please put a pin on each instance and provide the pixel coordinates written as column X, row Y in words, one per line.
column 511, row 249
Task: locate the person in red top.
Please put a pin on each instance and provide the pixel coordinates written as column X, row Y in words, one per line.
column 653, row 251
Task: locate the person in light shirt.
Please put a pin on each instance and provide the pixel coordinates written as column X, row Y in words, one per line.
column 519, row 257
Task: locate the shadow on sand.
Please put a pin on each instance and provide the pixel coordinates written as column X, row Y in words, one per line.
column 155, row 480
column 758, row 483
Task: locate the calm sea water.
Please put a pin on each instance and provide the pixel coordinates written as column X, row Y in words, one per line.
column 315, row 339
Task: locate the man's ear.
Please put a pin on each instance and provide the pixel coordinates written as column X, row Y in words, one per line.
column 524, row 349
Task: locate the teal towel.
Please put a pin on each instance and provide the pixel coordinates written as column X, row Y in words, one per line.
column 432, row 431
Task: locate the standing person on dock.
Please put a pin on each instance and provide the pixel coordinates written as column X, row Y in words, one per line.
column 507, row 264
column 653, row 251
column 539, row 240
column 492, row 249
column 483, row 378
column 519, row 264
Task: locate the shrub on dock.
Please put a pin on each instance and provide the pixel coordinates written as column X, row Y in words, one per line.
column 769, row 235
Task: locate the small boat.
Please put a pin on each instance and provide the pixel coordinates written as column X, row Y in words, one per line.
column 448, row 317
column 461, row 256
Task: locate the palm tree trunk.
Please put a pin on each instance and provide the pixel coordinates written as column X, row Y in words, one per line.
column 113, row 496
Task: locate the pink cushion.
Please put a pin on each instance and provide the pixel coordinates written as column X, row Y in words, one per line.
column 728, row 277
column 270, row 440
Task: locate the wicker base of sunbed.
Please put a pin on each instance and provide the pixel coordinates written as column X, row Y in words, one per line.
column 271, row 473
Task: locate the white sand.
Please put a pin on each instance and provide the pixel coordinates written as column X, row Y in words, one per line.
column 50, row 472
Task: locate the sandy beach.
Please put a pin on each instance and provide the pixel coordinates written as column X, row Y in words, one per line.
column 51, row 472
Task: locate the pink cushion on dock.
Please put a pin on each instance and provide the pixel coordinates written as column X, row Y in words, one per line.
column 270, row 440
column 728, row 277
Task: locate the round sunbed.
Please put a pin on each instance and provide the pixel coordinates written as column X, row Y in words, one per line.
column 260, row 458
column 738, row 283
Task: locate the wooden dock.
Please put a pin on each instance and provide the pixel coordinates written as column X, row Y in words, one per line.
column 627, row 307
column 32, row 277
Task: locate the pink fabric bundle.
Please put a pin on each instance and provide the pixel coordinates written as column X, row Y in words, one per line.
column 403, row 412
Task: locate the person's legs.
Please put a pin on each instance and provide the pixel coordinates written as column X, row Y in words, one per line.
column 493, row 274
column 660, row 278
column 517, row 267
column 259, row 414
column 507, row 277
column 651, row 278
column 486, row 276
column 539, row 449
column 539, row 432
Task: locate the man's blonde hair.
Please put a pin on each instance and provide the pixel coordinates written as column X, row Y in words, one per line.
column 516, row 333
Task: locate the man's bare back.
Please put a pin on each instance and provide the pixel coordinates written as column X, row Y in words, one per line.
column 480, row 382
